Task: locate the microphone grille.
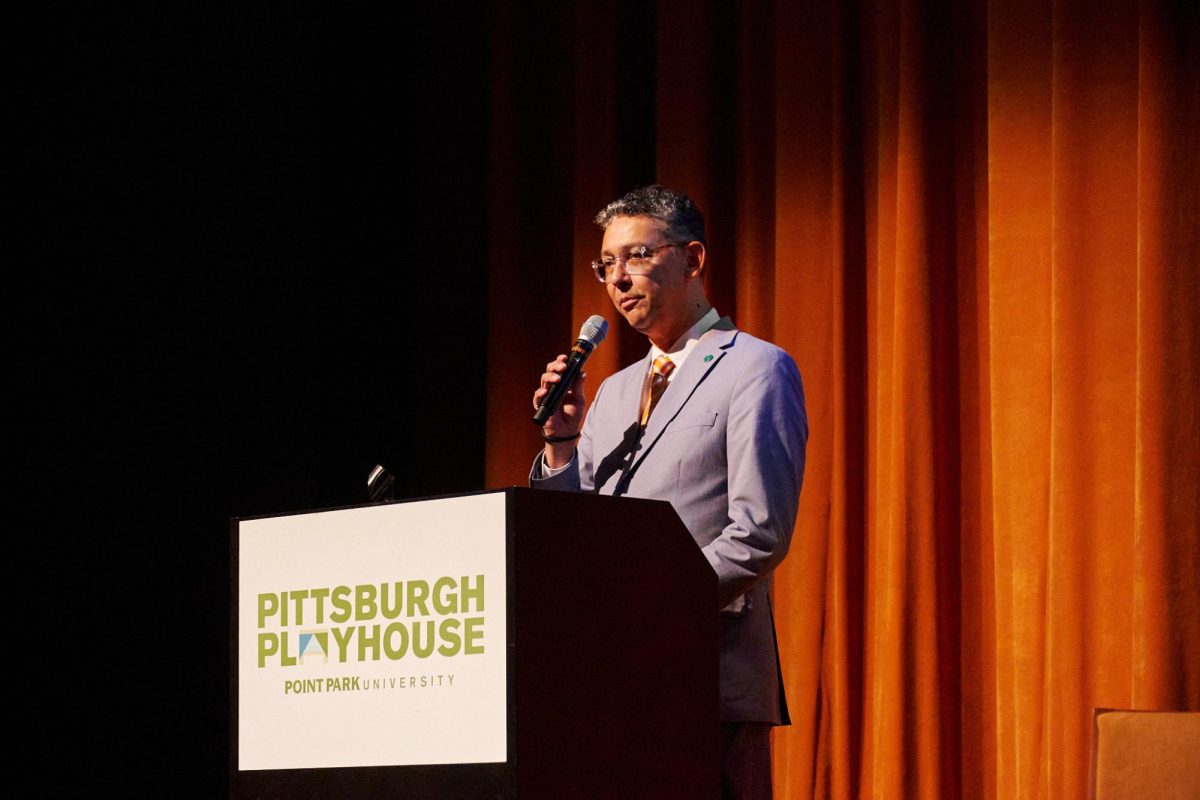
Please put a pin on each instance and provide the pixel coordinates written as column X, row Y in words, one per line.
column 594, row 330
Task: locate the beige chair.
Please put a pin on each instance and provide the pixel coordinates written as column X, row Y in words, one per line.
column 1145, row 755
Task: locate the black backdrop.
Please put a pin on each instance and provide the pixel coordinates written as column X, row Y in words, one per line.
column 258, row 268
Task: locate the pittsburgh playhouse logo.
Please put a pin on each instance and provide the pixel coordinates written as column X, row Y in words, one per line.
column 371, row 622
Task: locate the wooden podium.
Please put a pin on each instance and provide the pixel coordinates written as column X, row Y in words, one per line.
column 609, row 661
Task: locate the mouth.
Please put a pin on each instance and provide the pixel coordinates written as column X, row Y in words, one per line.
column 627, row 303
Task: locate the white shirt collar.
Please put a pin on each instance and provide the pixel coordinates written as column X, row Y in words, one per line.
column 686, row 343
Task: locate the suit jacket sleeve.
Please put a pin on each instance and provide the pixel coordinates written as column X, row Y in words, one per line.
column 766, row 438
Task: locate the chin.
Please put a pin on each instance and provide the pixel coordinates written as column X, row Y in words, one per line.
column 639, row 324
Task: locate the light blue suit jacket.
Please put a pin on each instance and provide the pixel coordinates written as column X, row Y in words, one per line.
column 725, row 445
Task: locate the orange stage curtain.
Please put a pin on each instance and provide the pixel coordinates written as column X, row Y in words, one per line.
column 976, row 226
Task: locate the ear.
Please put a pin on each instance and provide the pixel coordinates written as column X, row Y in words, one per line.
column 695, row 253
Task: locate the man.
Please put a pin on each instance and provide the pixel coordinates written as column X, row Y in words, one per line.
column 711, row 420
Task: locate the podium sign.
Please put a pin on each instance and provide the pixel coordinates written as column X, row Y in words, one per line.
column 368, row 636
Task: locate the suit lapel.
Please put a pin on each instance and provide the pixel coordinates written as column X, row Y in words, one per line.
column 704, row 358
column 629, row 399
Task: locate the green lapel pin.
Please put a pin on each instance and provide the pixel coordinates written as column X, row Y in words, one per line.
column 708, row 358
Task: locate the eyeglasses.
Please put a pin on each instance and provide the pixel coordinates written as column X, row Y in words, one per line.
column 637, row 261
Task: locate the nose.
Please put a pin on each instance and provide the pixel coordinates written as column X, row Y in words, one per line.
column 619, row 276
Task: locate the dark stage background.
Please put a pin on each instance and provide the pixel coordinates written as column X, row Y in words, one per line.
column 261, row 271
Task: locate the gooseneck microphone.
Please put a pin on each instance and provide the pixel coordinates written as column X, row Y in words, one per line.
column 379, row 484
column 590, row 335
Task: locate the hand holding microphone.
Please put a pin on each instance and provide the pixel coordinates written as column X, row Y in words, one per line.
column 559, row 401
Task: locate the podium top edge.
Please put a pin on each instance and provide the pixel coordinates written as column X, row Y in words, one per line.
column 350, row 506
column 507, row 490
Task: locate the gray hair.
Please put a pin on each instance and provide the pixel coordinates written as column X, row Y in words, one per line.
column 684, row 222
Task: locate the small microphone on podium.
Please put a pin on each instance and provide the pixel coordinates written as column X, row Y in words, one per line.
column 590, row 336
column 379, row 484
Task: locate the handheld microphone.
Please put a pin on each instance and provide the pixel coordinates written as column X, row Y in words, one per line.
column 590, row 335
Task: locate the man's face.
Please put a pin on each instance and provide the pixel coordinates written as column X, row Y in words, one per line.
column 654, row 303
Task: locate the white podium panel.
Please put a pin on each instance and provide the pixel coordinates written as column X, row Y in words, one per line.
column 373, row 636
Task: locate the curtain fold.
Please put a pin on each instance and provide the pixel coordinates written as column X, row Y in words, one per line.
column 976, row 226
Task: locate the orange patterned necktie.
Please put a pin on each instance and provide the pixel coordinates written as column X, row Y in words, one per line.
column 656, row 384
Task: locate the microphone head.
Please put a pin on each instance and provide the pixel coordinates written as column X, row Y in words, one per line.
column 594, row 329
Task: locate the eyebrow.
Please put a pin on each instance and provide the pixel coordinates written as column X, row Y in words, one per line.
column 630, row 247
